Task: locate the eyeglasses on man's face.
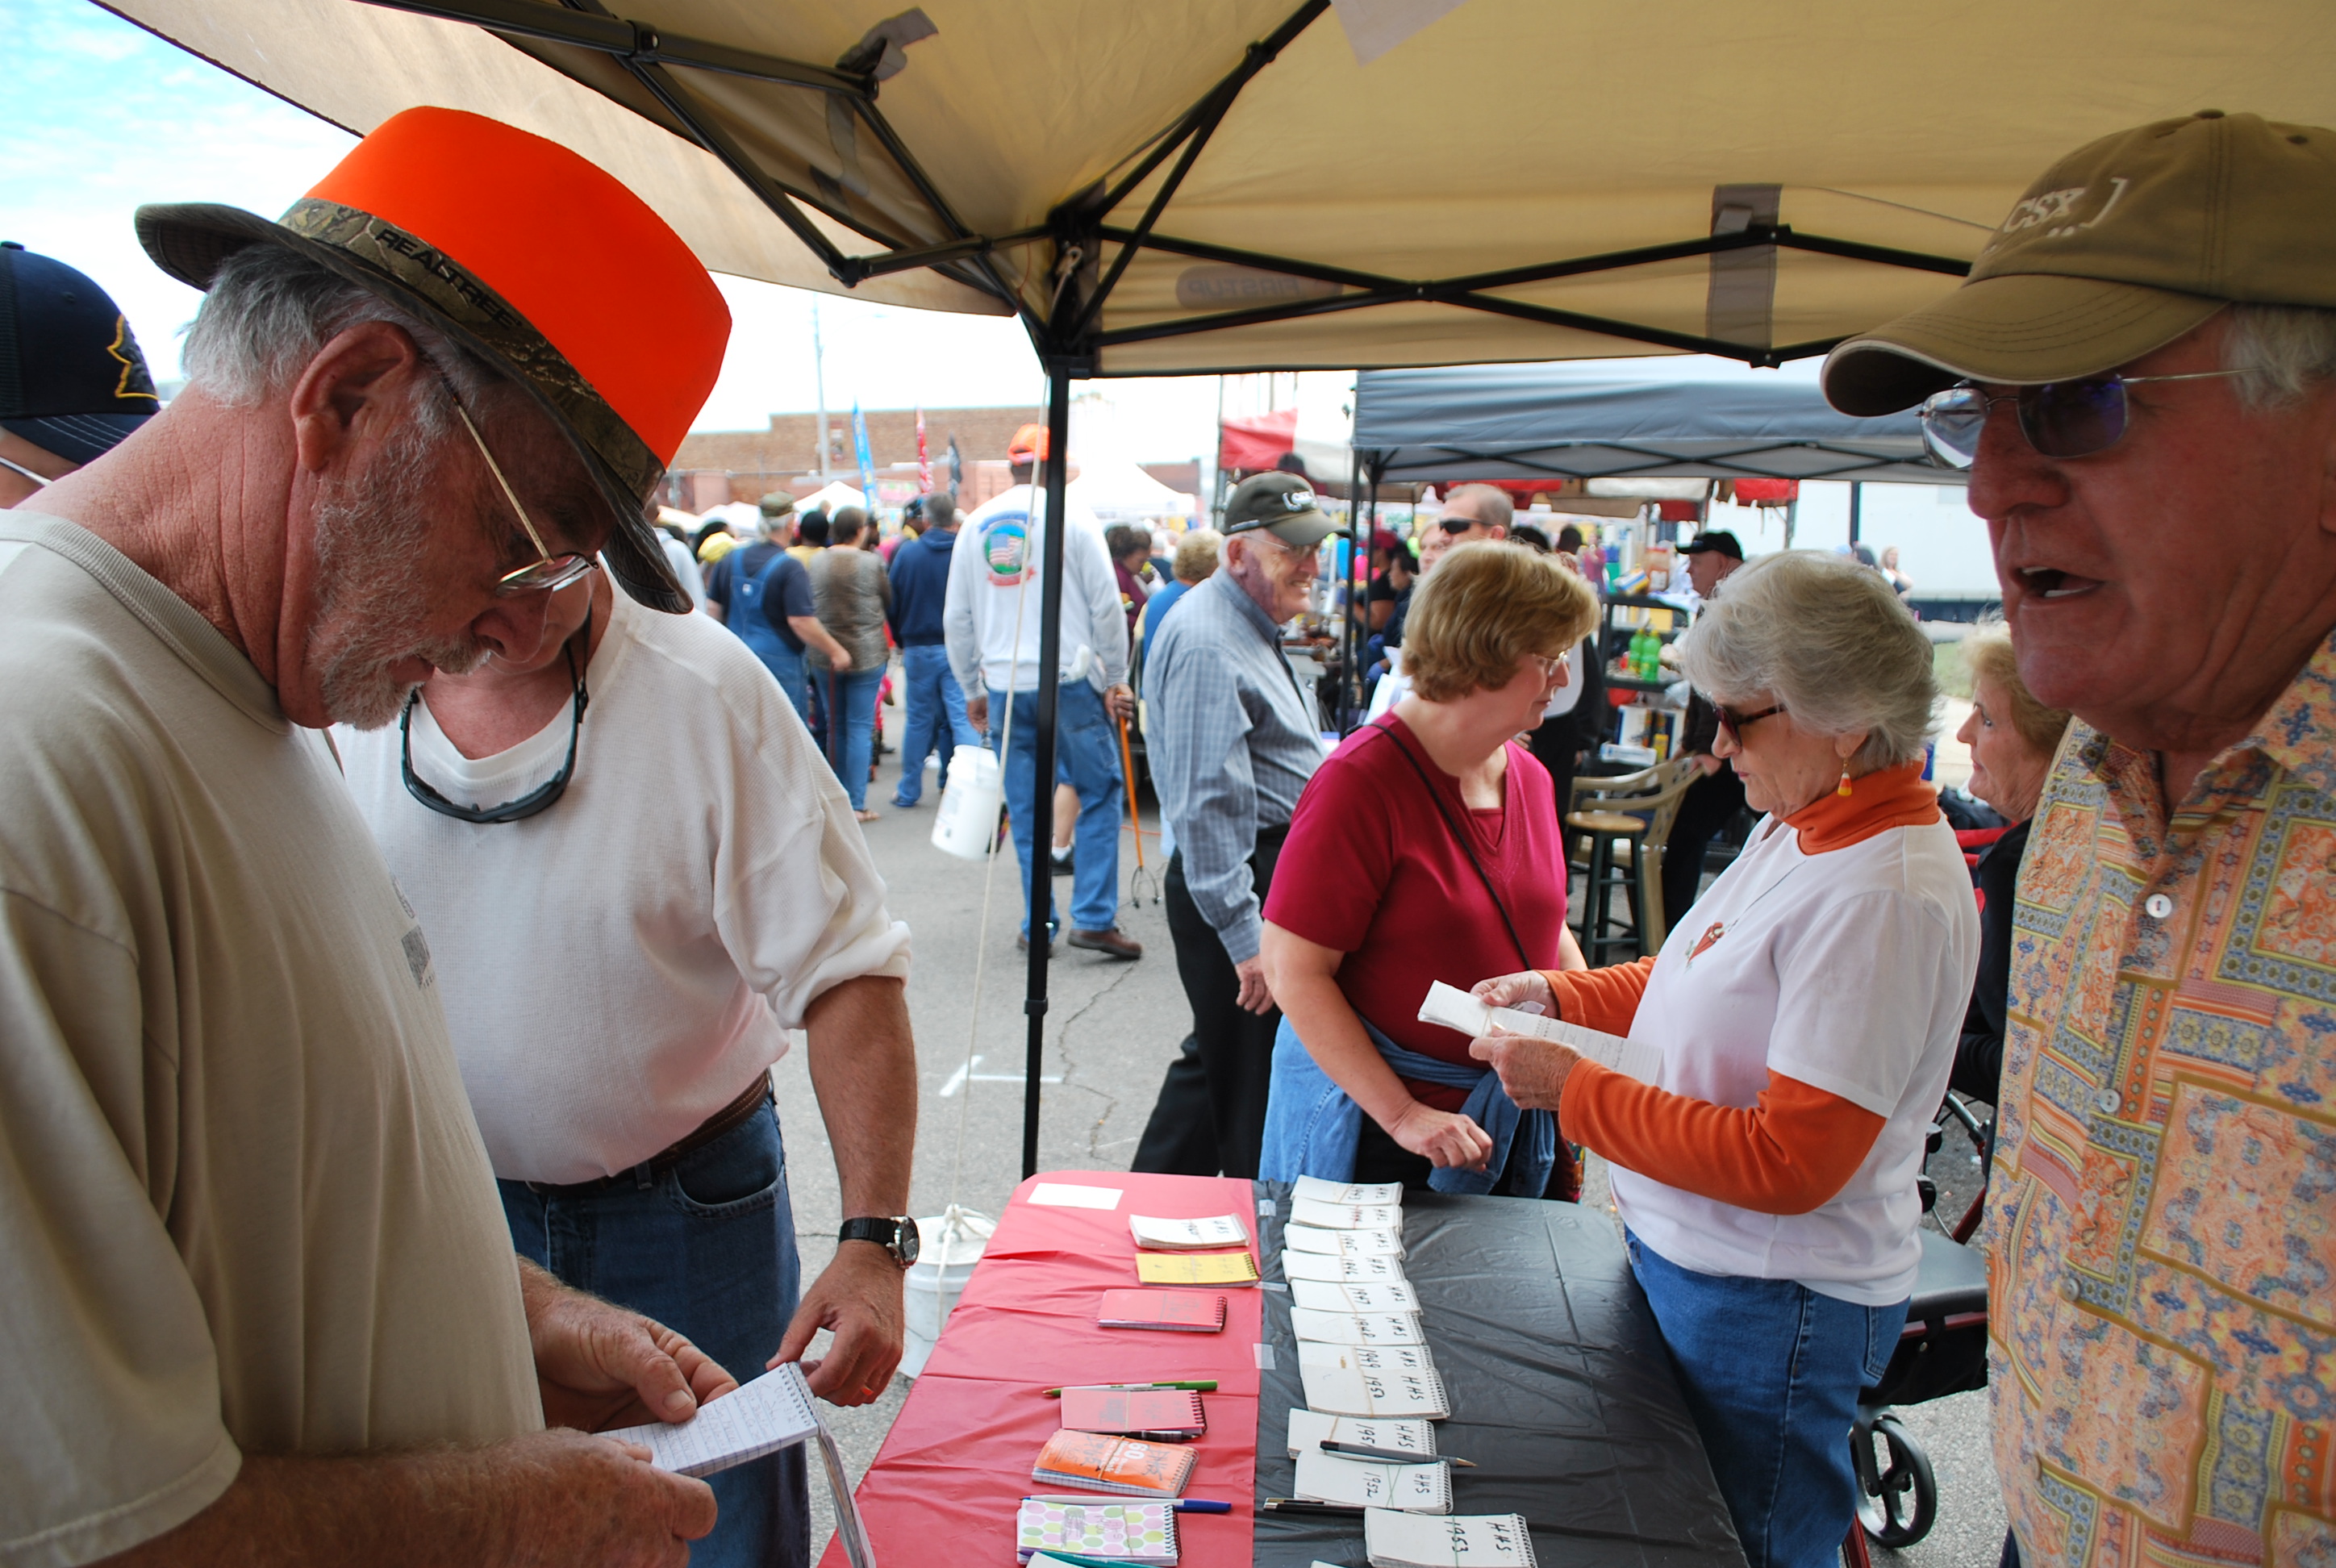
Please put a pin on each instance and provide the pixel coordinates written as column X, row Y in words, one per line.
column 547, row 571
column 2060, row 419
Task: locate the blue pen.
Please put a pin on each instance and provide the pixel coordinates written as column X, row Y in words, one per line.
column 1181, row 1505
column 1202, row 1506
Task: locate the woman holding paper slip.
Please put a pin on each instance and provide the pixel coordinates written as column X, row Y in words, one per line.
column 1807, row 1018
column 1426, row 848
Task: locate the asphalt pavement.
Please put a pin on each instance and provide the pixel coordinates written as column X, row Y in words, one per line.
column 1111, row 1028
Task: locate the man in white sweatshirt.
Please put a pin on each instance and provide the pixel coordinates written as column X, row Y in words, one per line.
column 991, row 622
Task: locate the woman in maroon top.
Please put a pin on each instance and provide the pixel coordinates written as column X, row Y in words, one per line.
column 1376, row 895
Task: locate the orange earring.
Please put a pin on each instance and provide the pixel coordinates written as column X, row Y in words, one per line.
column 1843, row 789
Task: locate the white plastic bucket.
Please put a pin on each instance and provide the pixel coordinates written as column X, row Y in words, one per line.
column 950, row 1245
column 967, row 824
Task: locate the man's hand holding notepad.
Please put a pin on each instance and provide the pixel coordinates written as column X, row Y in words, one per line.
column 1454, row 1009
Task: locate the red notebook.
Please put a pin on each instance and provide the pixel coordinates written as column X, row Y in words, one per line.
column 1163, row 1415
column 1186, row 1312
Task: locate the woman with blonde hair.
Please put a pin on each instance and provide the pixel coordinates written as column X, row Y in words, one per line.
column 1426, row 848
column 1806, row 1017
column 2012, row 739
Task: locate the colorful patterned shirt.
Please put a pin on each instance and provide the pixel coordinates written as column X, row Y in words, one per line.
column 2162, row 1231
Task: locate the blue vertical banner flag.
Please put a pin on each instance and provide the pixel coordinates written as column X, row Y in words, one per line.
column 867, row 462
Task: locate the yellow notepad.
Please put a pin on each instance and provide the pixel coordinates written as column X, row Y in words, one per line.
column 1196, row 1268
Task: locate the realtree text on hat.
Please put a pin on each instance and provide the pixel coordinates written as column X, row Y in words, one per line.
column 2121, row 248
column 1283, row 504
column 533, row 258
column 72, row 380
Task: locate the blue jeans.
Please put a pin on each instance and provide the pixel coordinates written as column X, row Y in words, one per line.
column 708, row 1248
column 852, row 727
column 936, row 719
column 794, row 679
column 1086, row 752
column 1771, row 1371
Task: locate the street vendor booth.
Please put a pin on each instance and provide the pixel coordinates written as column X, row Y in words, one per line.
column 1234, row 185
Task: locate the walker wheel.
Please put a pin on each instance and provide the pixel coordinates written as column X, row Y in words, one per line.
column 1898, row 1497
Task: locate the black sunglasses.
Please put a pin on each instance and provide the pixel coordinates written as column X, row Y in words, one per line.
column 1733, row 722
column 528, row 805
column 2059, row 418
column 1456, row 524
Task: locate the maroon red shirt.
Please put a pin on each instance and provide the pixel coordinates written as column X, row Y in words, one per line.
column 1372, row 870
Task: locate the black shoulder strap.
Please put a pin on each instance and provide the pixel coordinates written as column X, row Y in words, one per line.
column 1460, row 837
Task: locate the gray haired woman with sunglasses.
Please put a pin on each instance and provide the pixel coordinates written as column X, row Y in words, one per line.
column 1806, row 1015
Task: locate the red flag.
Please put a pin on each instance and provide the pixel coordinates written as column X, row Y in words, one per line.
column 924, row 460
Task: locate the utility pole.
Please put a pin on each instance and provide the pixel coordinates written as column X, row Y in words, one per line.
column 819, row 386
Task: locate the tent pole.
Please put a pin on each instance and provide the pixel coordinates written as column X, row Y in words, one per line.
column 1042, row 790
column 1857, row 505
column 1350, row 680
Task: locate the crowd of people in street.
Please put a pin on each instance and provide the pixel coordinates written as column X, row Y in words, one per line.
column 403, row 899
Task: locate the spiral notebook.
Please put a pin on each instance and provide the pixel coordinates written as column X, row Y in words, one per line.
column 1311, row 1429
column 1424, row 1488
column 1196, row 1268
column 1178, row 1311
column 1346, row 1216
column 1330, row 1296
column 1356, row 1328
column 1321, row 1191
column 1093, row 1462
column 1341, row 1386
column 1331, row 1269
column 1133, row 1532
column 1380, row 1243
column 1394, row 1539
column 1188, row 1235
column 1367, row 1358
column 1158, row 1414
column 1456, row 1009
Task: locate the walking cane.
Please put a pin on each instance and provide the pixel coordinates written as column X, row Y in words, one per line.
column 1142, row 877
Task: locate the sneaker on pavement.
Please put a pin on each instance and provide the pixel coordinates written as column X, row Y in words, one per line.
column 1115, row 941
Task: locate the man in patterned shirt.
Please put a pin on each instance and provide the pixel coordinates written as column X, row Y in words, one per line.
column 2143, row 361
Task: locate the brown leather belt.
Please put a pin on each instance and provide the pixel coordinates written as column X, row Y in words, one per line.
column 734, row 1115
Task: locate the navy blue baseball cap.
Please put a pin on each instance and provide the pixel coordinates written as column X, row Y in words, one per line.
column 71, row 379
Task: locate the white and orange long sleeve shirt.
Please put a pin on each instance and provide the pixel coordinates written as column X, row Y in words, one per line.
column 1807, row 1007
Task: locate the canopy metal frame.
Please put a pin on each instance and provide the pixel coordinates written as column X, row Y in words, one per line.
column 1068, row 333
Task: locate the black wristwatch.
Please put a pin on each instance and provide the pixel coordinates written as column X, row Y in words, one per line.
column 897, row 1235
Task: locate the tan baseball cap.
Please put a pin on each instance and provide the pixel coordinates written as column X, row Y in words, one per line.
column 2121, row 248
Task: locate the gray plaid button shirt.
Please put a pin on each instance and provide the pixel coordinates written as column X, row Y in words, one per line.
column 1232, row 745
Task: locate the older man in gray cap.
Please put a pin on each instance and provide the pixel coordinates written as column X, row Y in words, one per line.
column 2141, row 375
column 1233, row 743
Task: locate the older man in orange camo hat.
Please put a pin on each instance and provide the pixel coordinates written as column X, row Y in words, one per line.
column 257, row 1300
column 2141, row 377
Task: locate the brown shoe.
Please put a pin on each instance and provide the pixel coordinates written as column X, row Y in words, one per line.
column 1115, row 941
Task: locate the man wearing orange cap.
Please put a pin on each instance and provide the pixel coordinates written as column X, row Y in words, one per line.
column 259, row 1299
column 2144, row 360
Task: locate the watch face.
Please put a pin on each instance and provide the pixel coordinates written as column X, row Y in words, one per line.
column 906, row 1247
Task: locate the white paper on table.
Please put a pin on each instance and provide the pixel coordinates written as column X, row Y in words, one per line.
column 1322, row 1192
column 1354, row 1327
column 1342, row 1244
column 1454, row 1009
column 1343, row 1479
column 1216, row 1230
column 1335, row 1270
column 1380, row 1360
column 772, row 1412
column 1346, row 1216
column 1311, row 1429
column 1329, row 1296
column 1071, row 1195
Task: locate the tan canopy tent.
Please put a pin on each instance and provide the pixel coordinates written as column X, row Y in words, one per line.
column 1192, row 185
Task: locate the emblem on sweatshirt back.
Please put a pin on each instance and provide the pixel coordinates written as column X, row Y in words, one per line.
column 1006, row 550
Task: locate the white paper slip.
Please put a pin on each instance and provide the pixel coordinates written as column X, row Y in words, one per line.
column 770, row 1413
column 1367, row 1358
column 1311, row 1429
column 1354, row 1327
column 1346, row 1216
column 1322, row 1192
column 1343, row 1244
column 1332, row 1269
column 1374, row 1483
column 1456, row 1009
column 1394, row 1539
column 1071, row 1195
column 1345, row 1391
column 1330, row 1296
column 1188, row 1235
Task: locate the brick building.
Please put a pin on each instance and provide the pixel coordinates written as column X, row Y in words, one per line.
column 718, row 467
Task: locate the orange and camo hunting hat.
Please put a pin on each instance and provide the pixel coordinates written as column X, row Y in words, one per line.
column 532, row 257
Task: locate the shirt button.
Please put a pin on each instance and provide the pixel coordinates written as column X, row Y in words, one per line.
column 2159, row 906
column 2109, row 1101
column 2069, row 1289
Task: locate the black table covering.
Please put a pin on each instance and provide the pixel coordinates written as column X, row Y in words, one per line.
column 1559, row 1386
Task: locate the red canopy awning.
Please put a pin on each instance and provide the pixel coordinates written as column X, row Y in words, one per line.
column 1256, row 444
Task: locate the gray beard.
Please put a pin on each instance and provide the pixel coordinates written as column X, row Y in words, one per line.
column 371, row 535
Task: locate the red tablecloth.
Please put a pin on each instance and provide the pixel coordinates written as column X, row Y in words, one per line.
column 945, row 1486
